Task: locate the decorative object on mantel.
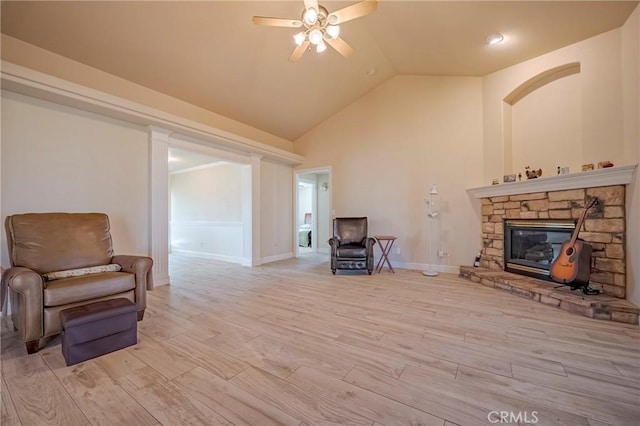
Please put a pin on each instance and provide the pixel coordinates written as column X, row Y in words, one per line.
column 558, row 170
column 519, row 177
column 509, row 178
column 605, row 164
column 618, row 175
column 494, row 182
column 587, row 167
column 532, row 174
column 564, row 170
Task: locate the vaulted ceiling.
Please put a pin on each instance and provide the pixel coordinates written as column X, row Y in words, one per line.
column 210, row 54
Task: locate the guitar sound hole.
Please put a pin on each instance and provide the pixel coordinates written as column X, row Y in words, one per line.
column 569, row 251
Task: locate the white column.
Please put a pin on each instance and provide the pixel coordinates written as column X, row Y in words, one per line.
column 256, row 252
column 159, row 203
column 247, row 237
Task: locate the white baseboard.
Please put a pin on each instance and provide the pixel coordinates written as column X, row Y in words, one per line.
column 212, row 256
column 276, row 258
column 445, row 269
column 161, row 280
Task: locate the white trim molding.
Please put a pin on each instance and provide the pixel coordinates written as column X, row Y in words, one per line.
column 159, row 203
column 602, row 177
column 19, row 79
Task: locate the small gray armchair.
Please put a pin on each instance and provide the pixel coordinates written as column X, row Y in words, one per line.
column 351, row 248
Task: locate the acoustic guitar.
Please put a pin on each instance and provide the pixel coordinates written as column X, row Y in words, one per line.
column 573, row 264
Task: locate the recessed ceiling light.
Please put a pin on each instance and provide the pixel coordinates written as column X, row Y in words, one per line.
column 495, row 38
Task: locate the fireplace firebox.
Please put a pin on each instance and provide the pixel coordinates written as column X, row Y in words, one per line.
column 530, row 246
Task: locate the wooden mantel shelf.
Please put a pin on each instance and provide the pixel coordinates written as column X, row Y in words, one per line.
column 601, row 177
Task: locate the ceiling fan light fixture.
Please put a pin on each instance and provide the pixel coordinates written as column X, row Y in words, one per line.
column 299, row 38
column 310, row 16
column 317, row 27
column 315, row 36
column 333, row 31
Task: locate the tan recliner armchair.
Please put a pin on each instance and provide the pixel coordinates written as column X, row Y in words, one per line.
column 42, row 243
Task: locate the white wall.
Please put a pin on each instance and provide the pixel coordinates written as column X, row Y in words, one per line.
column 547, row 128
column 61, row 159
column 631, row 118
column 323, row 221
column 387, row 148
column 276, row 212
column 206, row 212
column 56, row 158
column 601, row 109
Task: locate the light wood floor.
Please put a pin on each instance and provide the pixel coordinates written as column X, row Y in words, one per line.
column 289, row 343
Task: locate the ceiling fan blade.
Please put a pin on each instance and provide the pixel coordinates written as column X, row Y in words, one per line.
column 354, row 11
column 299, row 51
column 311, row 4
column 340, row 45
column 276, row 22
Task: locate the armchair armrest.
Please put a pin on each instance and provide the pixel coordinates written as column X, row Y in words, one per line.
column 370, row 242
column 27, row 315
column 141, row 267
column 334, row 243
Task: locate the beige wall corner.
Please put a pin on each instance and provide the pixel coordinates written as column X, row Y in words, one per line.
column 631, row 119
column 390, row 146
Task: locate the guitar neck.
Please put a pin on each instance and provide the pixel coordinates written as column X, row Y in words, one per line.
column 578, row 227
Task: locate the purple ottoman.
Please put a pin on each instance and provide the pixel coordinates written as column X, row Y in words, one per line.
column 98, row 328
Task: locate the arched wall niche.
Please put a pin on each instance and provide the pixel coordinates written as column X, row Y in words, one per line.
column 542, row 122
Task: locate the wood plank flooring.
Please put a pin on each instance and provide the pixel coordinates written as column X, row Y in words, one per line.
column 288, row 343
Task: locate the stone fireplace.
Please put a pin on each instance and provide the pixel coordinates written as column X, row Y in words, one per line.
column 557, row 201
column 603, row 228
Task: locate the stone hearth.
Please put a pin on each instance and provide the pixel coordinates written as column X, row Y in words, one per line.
column 600, row 306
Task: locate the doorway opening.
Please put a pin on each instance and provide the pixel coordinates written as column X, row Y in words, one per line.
column 312, row 211
column 206, row 205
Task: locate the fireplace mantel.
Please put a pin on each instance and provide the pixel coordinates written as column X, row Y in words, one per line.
column 601, row 177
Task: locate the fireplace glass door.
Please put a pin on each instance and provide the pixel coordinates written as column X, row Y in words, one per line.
column 530, row 246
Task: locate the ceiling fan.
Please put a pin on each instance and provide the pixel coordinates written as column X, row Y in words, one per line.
column 318, row 27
